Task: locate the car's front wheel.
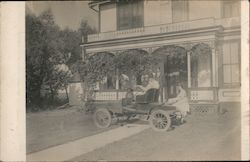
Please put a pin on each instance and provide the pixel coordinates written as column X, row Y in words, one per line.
column 160, row 120
column 102, row 118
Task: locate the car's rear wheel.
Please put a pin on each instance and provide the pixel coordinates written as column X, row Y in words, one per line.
column 160, row 120
column 102, row 118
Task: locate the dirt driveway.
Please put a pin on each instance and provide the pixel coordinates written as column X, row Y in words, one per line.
column 200, row 138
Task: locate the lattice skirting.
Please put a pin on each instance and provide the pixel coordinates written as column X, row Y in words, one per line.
column 204, row 108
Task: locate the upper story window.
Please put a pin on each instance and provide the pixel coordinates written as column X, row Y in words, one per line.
column 129, row 14
column 231, row 63
column 231, row 8
column 180, row 10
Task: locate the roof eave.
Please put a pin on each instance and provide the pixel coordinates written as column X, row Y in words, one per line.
column 94, row 4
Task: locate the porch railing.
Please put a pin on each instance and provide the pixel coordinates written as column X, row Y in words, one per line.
column 197, row 95
column 165, row 28
column 109, row 95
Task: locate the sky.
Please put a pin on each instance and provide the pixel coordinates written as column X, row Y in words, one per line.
column 67, row 14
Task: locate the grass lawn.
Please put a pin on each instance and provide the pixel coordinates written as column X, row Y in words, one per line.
column 49, row 128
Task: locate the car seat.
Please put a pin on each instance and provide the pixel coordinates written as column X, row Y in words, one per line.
column 151, row 96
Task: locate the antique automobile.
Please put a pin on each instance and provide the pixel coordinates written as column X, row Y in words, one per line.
column 159, row 116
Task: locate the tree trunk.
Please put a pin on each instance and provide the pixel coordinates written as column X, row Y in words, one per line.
column 36, row 95
column 52, row 94
column 66, row 90
column 84, row 90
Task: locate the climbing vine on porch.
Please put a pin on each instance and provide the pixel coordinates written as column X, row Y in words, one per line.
column 134, row 62
column 100, row 65
column 97, row 67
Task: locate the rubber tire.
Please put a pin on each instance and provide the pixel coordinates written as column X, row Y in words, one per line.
column 108, row 115
column 165, row 114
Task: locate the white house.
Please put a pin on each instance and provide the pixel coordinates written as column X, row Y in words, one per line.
column 203, row 35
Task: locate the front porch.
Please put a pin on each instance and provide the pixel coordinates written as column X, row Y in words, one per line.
column 189, row 53
column 191, row 64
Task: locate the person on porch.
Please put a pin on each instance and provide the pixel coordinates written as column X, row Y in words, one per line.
column 180, row 101
column 148, row 83
column 124, row 81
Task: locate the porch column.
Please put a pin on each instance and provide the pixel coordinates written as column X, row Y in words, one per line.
column 213, row 67
column 189, row 68
column 117, row 84
column 163, row 83
column 117, row 80
column 217, row 68
column 83, row 53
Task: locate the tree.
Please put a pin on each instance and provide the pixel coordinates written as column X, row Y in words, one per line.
column 86, row 29
column 35, row 57
column 44, row 51
column 70, row 42
column 76, row 64
column 59, row 79
column 50, row 52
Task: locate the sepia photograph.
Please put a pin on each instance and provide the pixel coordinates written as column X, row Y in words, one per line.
column 133, row 80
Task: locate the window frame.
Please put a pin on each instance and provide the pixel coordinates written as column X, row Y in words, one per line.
column 118, row 17
column 187, row 13
column 224, row 3
column 197, row 63
column 231, row 84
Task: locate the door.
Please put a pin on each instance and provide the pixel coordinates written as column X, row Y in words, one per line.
column 175, row 68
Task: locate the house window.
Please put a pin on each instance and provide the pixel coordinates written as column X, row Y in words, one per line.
column 231, row 63
column 180, row 10
column 201, row 70
column 129, row 14
column 231, row 8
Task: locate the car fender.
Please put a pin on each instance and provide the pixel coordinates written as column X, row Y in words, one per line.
column 168, row 108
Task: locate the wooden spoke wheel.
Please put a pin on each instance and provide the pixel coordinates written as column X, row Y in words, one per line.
column 160, row 120
column 102, row 118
